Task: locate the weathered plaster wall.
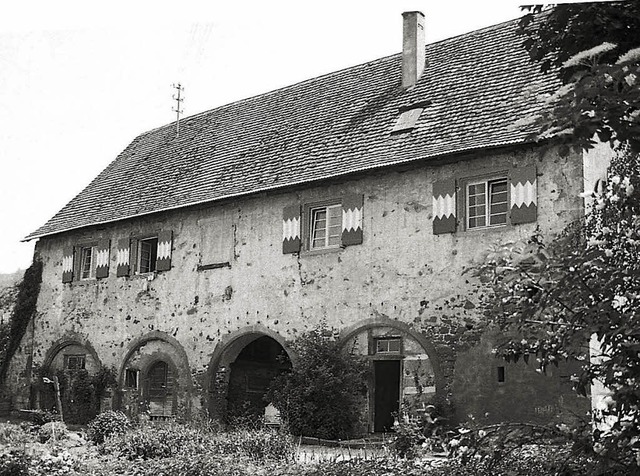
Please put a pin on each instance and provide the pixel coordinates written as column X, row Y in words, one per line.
column 400, row 272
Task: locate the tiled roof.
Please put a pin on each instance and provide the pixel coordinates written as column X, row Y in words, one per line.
column 478, row 83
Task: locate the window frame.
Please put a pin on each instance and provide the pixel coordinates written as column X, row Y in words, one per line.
column 487, row 180
column 313, row 228
column 81, row 357
column 153, row 261
column 78, row 261
column 93, row 250
column 307, row 224
column 388, row 339
column 136, row 374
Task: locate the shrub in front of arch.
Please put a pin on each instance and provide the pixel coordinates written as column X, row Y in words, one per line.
column 106, row 424
column 323, row 394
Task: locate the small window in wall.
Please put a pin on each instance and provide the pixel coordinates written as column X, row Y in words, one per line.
column 87, row 262
column 147, row 255
column 75, row 362
column 487, row 203
column 500, row 374
column 388, row 345
column 131, row 378
column 325, row 227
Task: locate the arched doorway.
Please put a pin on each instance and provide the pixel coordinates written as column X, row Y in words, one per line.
column 155, row 377
column 406, row 376
column 250, row 376
column 241, row 371
column 75, row 366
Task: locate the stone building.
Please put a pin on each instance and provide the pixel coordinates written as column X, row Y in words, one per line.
column 357, row 198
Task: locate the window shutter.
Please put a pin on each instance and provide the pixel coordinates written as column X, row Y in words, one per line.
column 165, row 242
column 102, row 258
column 291, row 229
column 352, row 219
column 123, row 257
column 444, row 207
column 67, row 264
column 524, row 197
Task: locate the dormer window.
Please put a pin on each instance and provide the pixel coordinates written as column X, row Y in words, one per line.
column 408, row 117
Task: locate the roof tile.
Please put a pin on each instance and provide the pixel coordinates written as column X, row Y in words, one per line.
column 478, row 84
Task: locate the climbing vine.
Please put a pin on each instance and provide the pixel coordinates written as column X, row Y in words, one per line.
column 24, row 310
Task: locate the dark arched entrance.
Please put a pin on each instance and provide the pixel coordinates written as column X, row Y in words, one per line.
column 250, row 375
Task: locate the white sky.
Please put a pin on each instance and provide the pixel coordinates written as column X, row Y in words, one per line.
column 79, row 80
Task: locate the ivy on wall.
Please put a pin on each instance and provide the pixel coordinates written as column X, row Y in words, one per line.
column 24, row 310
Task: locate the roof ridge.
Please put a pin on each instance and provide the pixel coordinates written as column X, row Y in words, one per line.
column 322, row 76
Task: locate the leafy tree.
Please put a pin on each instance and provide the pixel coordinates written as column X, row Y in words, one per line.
column 584, row 283
column 559, row 292
column 323, row 394
column 594, row 49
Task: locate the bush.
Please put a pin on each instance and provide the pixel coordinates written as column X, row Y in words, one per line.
column 322, row 395
column 258, row 444
column 15, row 463
column 106, row 424
column 157, row 442
column 55, row 430
column 14, row 435
column 55, row 464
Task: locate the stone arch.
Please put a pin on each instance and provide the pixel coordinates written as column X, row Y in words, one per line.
column 418, row 381
column 225, row 353
column 183, row 360
column 66, row 341
column 81, row 399
column 405, row 328
column 140, row 357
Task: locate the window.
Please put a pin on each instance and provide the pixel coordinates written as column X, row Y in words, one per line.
column 388, row 345
column 87, row 262
column 407, row 120
column 147, row 255
column 501, row 375
column 330, row 224
column 487, row 203
column 131, row 378
column 74, row 362
column 325, row 227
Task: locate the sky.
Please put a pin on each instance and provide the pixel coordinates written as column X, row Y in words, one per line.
column 80, row 80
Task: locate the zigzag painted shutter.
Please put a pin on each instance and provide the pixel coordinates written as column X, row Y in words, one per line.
column 67, row 264
column 291, row 229
column 165, row 242
column 123, row 257
column 444, row 207
column 102, row 258
column 352, row 219
column 524, row 196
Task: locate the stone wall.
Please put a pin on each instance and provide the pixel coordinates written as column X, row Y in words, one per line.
column 401, row 272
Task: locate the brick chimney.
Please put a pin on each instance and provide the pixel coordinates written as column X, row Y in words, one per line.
column 413, row 43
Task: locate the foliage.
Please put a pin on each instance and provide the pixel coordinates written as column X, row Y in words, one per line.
column 106, row 424
column 53, row 430
column 256, row 444
column 172, row 440
column 14, row 463
column 56, row 463
column 321, row 396
column 23, row 311
column 595, row 51
column 407, row 438
column 585, row 283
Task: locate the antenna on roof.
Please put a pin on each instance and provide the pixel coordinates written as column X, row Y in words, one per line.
column 178, row 99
